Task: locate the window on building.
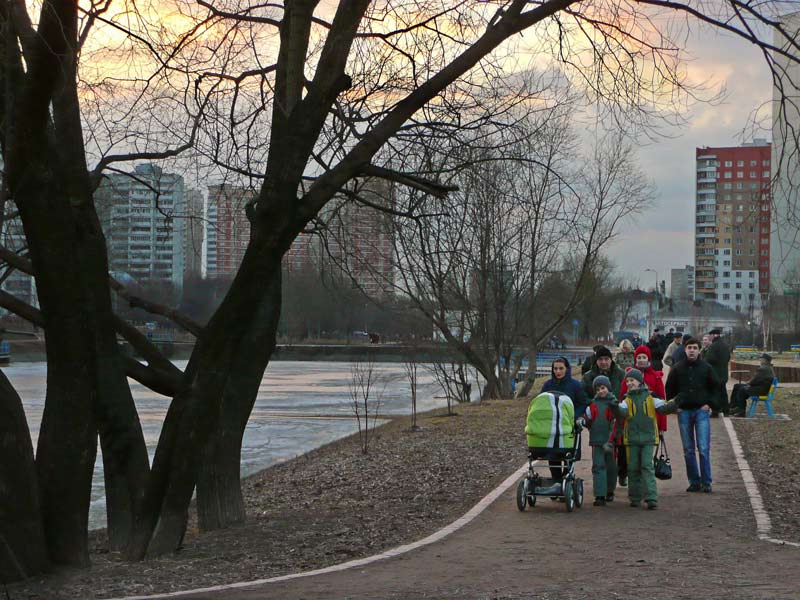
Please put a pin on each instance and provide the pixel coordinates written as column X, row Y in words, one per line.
column 738, row 297
column 727, row 186
column 739, row 174
column 739, row 163
column 726, row 286
column 727, row 263
column 726, row 273
column 766, row 174
column 753, row 174
column 728, row 163
column 738, row 285
column 726, row 252
column 727, row 174
column 764, row 163
column 739, row 185
column 751, row 285
column 726, row 296
column 765, row 252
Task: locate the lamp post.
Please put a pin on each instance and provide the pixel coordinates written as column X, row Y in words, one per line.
column 655, row 309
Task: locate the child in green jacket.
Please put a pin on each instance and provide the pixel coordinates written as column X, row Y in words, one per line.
column 600, row 417
column 638, row 413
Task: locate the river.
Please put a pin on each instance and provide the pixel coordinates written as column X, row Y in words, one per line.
column 301, row 405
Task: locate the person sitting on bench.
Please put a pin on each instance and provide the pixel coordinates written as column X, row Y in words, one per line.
column 758, row 386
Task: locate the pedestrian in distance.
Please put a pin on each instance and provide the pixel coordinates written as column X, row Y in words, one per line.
column 637, row 411
column 719, row 356
column 656, row 350
column 668, row 353
column 624, row 357
column 706, row 343
column 600, row 417
column 694, row 385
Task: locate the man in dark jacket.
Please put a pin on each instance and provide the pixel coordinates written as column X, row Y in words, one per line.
column 603, row 365
column 757, row 386
column 718, row 356
column 656, row 350
column 694, row 385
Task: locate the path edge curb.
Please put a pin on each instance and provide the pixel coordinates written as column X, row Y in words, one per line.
column 468, row 517
column 763, row 522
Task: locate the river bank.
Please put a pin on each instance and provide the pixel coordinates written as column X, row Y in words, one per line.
column 329, row 505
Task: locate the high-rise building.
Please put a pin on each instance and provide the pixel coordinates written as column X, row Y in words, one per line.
column 227, row 229
column 785, row 242
column 361, row 238
column 732, row 225
column 193, row 237
column 682, row 283
column 141, row 215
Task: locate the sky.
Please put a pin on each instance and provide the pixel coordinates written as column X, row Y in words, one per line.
column 662, row 237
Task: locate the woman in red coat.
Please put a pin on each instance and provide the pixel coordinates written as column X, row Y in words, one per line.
column 653, row 380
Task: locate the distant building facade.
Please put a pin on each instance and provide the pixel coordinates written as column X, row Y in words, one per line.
column 732, row 225
column 785, row 241
column 361, row 240
column 193, row 237
column 227, row 229
column 141, row 215
column 682, row 283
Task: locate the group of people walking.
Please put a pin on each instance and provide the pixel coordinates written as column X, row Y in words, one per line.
column 624, row 402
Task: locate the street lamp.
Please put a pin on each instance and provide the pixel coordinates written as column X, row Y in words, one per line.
column 655, row 309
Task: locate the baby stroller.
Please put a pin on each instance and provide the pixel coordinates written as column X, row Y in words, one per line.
column 553, row 435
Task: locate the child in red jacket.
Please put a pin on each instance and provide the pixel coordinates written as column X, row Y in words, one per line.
column 654, row 380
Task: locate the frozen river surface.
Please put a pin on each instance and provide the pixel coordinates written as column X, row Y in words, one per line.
column 301, row 405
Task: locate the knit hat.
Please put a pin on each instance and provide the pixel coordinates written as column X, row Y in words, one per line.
column 601, row 380
column 635, row 374
column 643, row 350
column 686, row 337
column 603, row 351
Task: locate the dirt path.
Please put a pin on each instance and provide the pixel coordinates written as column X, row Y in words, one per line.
column 693, row 546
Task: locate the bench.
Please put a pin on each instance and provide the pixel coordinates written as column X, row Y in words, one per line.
column 767, row 400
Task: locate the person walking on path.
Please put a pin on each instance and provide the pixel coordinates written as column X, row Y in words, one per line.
column 676, row 341
column 562, row 382
column 654, row 380
column 718, row 356
column 638, row 411
column 603, row 365
column 758, row 385
column 600, row 416
column 624, row 358
column 694, row 385
column 656, row 350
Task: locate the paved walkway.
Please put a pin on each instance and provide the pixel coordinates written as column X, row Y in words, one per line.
column 693, row 546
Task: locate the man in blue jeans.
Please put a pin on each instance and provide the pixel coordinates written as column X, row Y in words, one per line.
column 693, row 383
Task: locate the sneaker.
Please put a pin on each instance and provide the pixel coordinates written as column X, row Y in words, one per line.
column 695, row 487
column 599, row 501
column 610, row 498
column 634, row 504
column 706, row 487
column 623, row 481
column 652, row 505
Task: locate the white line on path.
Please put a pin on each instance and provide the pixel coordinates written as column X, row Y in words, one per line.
column 763, row 524
column 434, row 537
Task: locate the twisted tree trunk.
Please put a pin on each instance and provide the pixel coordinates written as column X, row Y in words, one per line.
column 23, row 550
column 219, row 492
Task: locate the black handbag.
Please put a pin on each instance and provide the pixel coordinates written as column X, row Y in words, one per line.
column 661, row 464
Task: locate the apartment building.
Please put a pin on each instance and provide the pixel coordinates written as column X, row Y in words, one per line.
column 732, row 225
column 785, row 241
column 682, row 283
column 227, row 229
column 142, row 215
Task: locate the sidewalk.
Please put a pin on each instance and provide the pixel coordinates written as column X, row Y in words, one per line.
column 693, row 546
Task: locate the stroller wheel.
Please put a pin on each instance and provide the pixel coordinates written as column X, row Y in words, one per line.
column 578, row 492
column 569, row 494
column 522, row 493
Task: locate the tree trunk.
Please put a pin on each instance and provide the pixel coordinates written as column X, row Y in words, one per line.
column 23, row 550
column 195, row 411
column 219, row 493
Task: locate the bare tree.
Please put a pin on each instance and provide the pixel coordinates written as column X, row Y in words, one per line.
column 366, row 391
column 411, row 369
